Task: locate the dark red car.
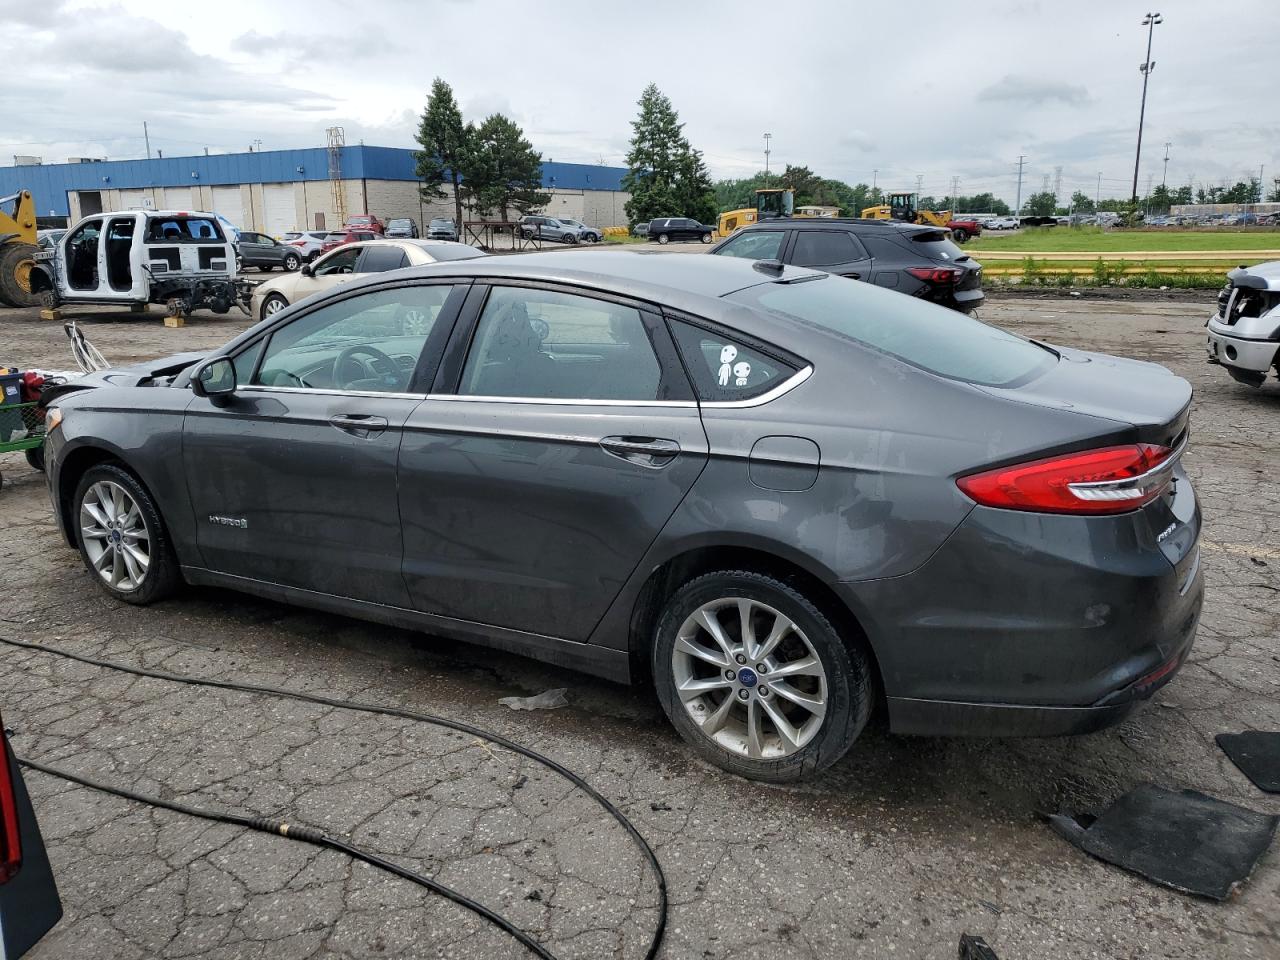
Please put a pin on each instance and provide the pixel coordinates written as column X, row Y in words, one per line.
column 347, row 235
column 364, row 221
column 29, row 904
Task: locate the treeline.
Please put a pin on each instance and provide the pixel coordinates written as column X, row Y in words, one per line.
column 814, row 190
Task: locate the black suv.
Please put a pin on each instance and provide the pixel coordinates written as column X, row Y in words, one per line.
column 916, row 260
column 666, row 229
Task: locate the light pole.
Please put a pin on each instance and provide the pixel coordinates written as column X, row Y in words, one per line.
column 767, row 138
column 1164, row 177
column 1149, row 21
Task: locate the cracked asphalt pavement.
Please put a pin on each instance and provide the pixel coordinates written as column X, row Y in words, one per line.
column 899, row 849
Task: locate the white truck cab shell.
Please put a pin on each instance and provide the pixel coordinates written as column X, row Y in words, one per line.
column 140, row 256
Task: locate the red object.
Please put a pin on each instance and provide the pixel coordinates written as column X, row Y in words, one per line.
column 936, row 274
column 10, row 838
column 971, row 227
column 1125, row 474
column 351, row 236
column 364, row 221
column 31, row 384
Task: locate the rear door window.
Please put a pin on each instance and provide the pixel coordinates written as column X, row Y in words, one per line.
column 376, row 259
column 754, row 245
column 725, row 367
column 182, row 230
column 824, row 248
column 924, row 335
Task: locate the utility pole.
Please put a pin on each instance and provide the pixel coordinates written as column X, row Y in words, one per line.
column 1150, row 180
column 1097, row 197
column 1057, row 184
column 1017, row 209
column 874, row 174
column 147, row 137
column 955, row 193
column 767, row 138
column 1164, row 178
column 1150, row 21
column 919, row 185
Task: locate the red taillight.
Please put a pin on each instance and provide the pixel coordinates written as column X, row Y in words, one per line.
column 1109, row 480
column 10, row 839
column 297, row 243
column 936, row 274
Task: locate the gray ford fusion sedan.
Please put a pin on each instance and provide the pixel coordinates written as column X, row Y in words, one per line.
column 785, row 498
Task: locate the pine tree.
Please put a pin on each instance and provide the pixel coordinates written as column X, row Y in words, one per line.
column 446, row 147
column 665, row 177
column 504, row 170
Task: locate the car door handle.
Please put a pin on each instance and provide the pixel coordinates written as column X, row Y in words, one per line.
column 852, row 276
column 359, row 424
column 645, row 451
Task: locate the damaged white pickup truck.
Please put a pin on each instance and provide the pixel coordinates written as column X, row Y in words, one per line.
column 142, row 256
column 1244, row 335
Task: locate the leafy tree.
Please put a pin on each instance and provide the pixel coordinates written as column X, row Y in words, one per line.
column 983, row 203
column 503, row 170
column 1274, row 195
column 928, row 203
column 1182, row 194
column 1081, row 202
column 1242, row 192
column 666, row 176
column 1040, row 205
column 446, row 147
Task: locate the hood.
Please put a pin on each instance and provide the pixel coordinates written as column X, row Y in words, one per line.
column 145, row 374
column 1262, row 276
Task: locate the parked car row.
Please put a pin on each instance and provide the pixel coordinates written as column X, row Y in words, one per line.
column 564, row 230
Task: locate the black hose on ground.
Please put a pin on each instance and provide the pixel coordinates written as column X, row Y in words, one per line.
column 313, row 836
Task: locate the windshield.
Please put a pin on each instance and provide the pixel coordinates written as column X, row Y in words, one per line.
column 930, row 337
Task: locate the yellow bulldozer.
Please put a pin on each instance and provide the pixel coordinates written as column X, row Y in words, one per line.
column 903, row 206
column 17, row 249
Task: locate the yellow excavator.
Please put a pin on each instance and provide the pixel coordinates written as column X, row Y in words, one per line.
column 772, row 203
column 17, row 249
column 902, row 206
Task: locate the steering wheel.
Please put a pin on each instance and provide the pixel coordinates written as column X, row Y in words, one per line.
column 541, row 329
column 348, row 356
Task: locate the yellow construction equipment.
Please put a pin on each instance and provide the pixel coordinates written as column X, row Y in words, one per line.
column 771, row 204
column 17, row 249
column 902, row 206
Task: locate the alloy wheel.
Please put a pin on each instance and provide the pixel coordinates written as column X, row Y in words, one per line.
column 115, row 536
column 273, row 306
column 749, row 678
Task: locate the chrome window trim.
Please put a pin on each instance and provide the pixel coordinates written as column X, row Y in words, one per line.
column 323, row 391
column 561, row 401
column 797, row 378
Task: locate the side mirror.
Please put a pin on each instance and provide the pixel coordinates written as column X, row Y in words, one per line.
column 214, row 378
column 306, row 270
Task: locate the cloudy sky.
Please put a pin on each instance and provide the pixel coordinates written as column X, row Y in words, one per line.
column 929, row 89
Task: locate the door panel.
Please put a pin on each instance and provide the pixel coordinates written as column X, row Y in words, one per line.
column 281, row 493
column 516, row 515
column 292, row 478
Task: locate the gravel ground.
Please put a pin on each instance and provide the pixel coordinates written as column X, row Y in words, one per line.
column 904, row 845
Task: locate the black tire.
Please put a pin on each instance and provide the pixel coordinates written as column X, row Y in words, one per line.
column 270, row 300
column 162, row 575
column 847, row 670
column 705, row 238
column 960, row 235
column 16, row 260
column 291, row 262
column 35, row 457
column 569, row 238
column 664, row 238
column 266, row 267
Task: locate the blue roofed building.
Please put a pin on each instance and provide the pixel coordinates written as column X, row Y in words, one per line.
column 276, row 191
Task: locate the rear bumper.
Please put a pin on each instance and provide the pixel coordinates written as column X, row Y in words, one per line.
column 1027, row 624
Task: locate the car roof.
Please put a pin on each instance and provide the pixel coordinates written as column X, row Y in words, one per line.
column 654, row 277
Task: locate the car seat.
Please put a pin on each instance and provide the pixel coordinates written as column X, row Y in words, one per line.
column 514, row 363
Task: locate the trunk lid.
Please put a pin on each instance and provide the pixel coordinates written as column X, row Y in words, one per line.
column 1145, row 400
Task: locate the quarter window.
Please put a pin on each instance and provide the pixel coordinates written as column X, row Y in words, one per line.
column 370, row 342
column 754, row 245
column 723, row 367
column 542, row 344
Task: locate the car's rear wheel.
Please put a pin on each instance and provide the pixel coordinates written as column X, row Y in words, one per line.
column 706, row 238
column 291, row 262
column 755, row 677
column 664, row 238
column 122, row 538
column 960, row 235
column 569, row 238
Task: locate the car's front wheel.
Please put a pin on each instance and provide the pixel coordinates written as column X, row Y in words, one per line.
column 706, row 238
column 755, row 677
column 664, row 238
column 274, row 303
column 291, row 262
column 122, row 538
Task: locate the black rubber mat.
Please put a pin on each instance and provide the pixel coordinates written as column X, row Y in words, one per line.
column 1257, row 754
column 1184, row 840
